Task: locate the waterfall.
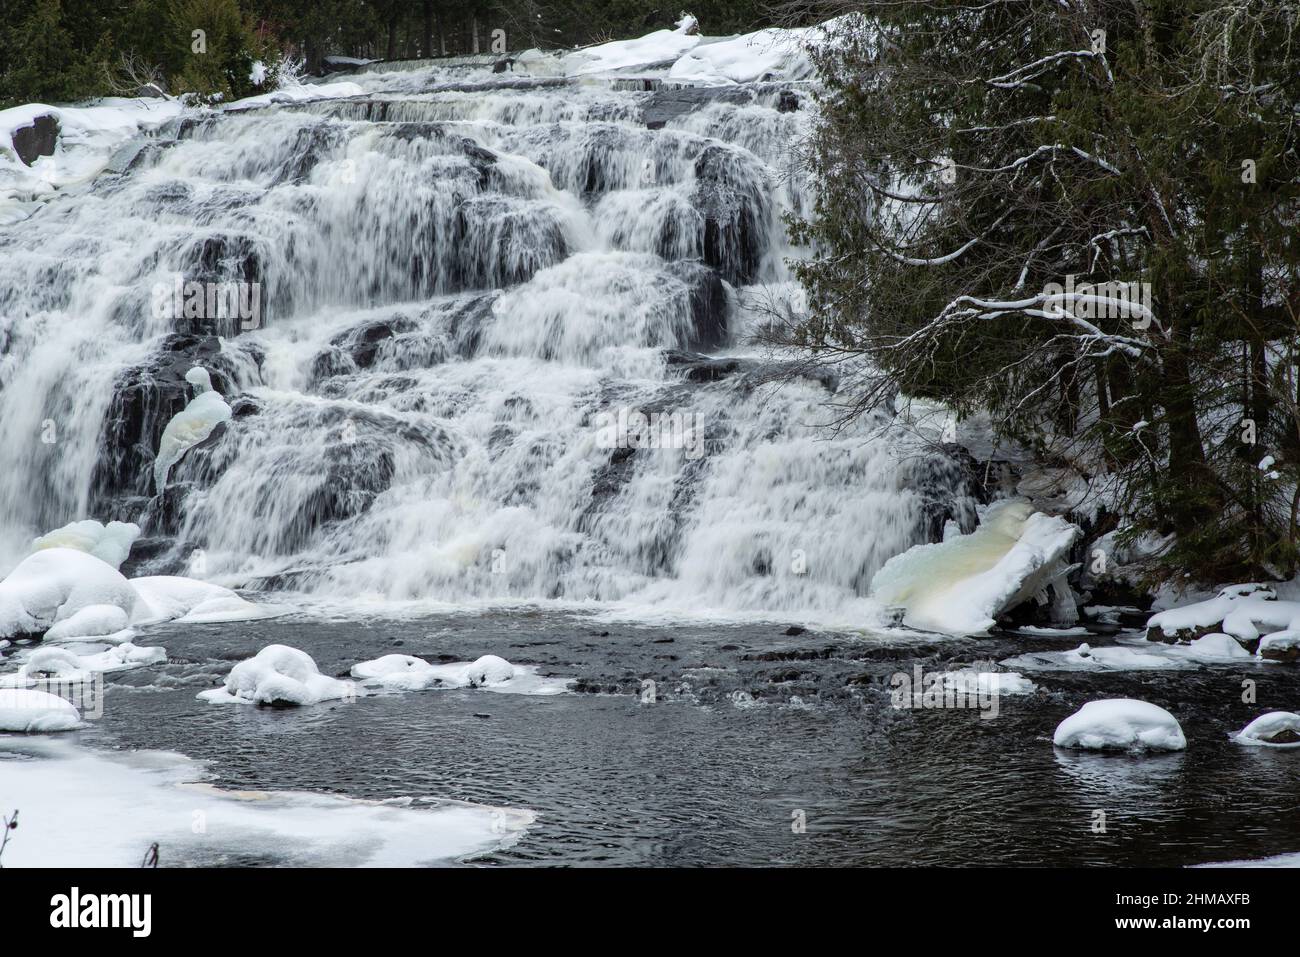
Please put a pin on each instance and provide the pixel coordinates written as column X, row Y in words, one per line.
column 504, row 353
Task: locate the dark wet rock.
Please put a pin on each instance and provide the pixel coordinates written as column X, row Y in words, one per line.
column 710, row 302
column 501, row 66
column 733, row 198
column 152, row 91
column 145, row 397
column 787, row 102
column 702, row 368
column 670, row 103
column 794, row 630
column 37, row 140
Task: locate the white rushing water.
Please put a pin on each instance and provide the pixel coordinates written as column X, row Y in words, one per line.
column 465, row 286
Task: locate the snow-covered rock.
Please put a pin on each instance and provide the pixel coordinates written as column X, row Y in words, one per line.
column 54, row 584
column 1131, row 654
column 408, row 673
column 107, row 623
column 173, row 598
column 28, row 710
column 190, row 426
column 1243, row 611
column 278, row 676
column 111, row 542
column 1277, row 729
column 1122, row 724
column 61, row 663
column 960, row 586
column 1280, row 645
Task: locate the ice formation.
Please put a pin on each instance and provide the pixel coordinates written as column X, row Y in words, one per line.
column 961, row 585
column 278, row 676
column 111, row 542
column 658, row 47
column 190, row 426
column 63, row 664
column 94, row 808
column 1277, row 729
column 408, row 673
column 108, row 623
column 1122, row 724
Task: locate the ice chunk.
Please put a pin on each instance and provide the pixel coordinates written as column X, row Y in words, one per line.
column 1277, row 729
column 171, row 597
column 111, row 542
column 960, row 586
column 1120, row 723
column 90, row 808
column 279, row 676
column 54, row 584
column 408, row 673
column 29, row 710
column 190, row 426
column 65, row 665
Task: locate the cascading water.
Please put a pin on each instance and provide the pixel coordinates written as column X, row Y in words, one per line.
column 469, row 287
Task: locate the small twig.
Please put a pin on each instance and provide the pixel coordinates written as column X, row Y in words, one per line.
column 11, row 824
column 151, row 856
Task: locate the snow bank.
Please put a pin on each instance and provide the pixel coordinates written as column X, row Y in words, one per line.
column 110, row 543
column 961, row 585
column 1120, row 723
column 54, row 584
column 658, row 47
column 278, row 676
column 770, row 53
column 190, row 426
column 188, row 600
column 408, row 673
column 90, row 808
column 88, row 137
column 1277, row 729
column 27, row 710
column 299, row 93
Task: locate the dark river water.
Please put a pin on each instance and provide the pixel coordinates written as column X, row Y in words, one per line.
column 753, row 731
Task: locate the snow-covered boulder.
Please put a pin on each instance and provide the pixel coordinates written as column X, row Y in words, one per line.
column 111, row 542
column 173, row 598
column 190, row 426
column 490, row 672
column 1243, row 611
column 53, row 585
column 107, row 623
column 63, row 664
column 279, row 677
column 1120, row 724
column 1280, row 645
column 1277, row 729
column 28, row 710
column 961, row 585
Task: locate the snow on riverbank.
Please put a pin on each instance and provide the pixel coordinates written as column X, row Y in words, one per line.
column 83, row 808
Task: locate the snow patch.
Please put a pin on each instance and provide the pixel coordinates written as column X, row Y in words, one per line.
column 111, row 543
column 30, row 711
column 190, row 426
column 54, row 584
